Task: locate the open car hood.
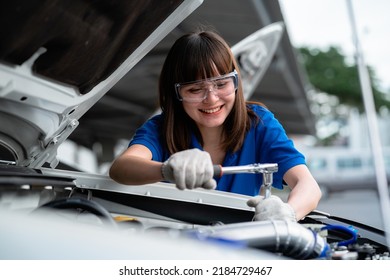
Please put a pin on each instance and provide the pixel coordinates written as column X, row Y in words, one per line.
column 59, row 58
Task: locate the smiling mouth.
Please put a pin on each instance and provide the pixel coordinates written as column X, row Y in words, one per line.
column 211, row 111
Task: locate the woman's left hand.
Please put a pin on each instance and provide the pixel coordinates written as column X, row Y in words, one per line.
column 271, row 208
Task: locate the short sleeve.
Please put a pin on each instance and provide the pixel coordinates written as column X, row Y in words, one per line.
column 149, row 136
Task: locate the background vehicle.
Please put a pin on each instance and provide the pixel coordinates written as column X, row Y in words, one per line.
column 340, row 169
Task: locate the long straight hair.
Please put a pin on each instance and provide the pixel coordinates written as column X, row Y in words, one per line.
column 195, row 56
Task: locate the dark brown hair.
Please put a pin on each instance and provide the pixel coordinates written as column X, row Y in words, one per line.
column 195, row 56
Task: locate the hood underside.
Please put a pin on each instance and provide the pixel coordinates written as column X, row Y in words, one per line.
column 58, row 58
column 82, row 42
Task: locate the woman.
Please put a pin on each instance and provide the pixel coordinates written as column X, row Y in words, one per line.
column 205, row 121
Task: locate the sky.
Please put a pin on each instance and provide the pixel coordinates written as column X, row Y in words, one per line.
column 321, row 23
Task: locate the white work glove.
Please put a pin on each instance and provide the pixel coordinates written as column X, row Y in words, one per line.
column 271, row 208
column 190, row 169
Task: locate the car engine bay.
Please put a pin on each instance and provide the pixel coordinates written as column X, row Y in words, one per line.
column 208, row 217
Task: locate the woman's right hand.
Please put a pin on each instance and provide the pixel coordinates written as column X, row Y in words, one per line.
column 190, row 169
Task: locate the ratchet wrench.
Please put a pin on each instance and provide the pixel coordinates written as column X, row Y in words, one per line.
column 267, row 169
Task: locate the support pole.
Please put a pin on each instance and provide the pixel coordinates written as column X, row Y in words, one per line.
column 375, row 142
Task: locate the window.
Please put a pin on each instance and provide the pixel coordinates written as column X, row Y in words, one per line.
column 349, row 163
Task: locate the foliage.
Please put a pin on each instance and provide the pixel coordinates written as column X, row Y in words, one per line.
column 329, row 72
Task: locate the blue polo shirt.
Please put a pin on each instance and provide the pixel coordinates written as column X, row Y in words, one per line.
column 265, row 142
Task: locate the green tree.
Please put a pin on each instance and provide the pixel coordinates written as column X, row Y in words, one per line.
column 328, row 71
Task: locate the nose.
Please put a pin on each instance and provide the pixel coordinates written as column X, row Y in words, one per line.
column 211, row 93
column 211, row 87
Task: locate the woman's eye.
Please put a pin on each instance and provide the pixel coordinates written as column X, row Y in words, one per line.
column 195, row 90
column 221, row 84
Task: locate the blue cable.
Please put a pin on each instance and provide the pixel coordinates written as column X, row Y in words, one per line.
column 350, row 230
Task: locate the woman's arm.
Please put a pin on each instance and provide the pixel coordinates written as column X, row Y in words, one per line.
column 135, row 166
column 305, row 192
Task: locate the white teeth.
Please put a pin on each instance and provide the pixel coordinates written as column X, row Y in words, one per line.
column 211, row 110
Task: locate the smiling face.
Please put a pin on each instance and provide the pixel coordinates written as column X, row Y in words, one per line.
column 216, row 99
column 191, row 92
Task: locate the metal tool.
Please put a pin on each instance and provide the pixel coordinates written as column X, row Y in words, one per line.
column 267, row 169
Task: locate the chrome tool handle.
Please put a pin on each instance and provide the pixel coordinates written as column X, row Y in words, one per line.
column 267, row 169
column 250, row 168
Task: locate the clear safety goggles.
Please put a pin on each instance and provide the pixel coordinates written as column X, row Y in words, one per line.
column 197, row 91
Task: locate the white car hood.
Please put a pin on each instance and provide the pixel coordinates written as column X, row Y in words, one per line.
column 58, row 61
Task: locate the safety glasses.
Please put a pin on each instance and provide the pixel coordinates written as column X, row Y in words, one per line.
column 197, row 91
